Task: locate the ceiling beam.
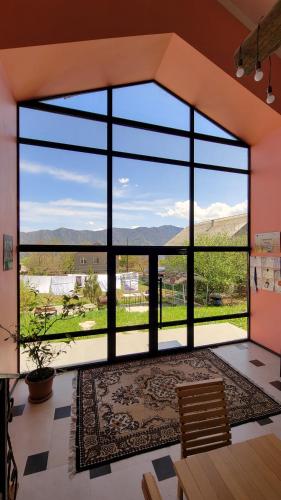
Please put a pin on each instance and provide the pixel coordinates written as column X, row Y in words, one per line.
column 269, row 40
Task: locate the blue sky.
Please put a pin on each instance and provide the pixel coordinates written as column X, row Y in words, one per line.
column 68, row 189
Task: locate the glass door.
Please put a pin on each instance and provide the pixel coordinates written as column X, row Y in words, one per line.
column 172, row 301
column 132, row 304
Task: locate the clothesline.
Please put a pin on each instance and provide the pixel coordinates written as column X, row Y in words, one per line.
column 61, row 285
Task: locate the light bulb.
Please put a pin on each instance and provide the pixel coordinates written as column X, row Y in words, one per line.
column 270, row 97
column 259, row 72
column 240, row 71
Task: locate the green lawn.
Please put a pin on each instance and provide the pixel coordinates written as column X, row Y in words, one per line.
column 127, row 318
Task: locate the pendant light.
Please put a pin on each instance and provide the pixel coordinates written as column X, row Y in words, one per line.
column 270, row 97
column 259, row 72
column 240, row 70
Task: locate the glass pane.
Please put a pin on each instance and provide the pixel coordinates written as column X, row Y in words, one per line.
column 46, row 126
column 145, row 142
column 46, row 278
column 63, row 197
column 84, row 350
column 204, row 126
column 95, row 102
column 132, row 292
column 149, row 103
column 220, row 283
column 171, row 337
column 220, row 208
column 132, row 342
column 215, row 332
column 222, row 155
column 172, row 288
column 150, row 203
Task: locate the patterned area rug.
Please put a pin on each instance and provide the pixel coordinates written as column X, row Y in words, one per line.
column 130, row 408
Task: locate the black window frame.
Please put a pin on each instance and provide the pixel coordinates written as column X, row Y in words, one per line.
column 152, row 251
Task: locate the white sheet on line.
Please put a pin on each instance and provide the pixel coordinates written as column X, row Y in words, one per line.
column 103, row 282
column 62, row 285
column 41, row 284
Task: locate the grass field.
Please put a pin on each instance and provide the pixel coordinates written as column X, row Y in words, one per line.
column 128, row 318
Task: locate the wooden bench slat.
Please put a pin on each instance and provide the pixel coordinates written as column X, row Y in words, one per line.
column 199, row 417
column 206, row 432
column 202, row 406
column 205, row 424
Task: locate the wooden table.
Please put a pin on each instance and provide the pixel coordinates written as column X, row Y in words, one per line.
column 250, row 470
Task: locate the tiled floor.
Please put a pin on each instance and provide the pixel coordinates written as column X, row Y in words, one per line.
column 40, row 436
column 95, row 349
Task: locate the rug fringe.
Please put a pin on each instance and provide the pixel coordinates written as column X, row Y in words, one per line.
column 72, row 437
column 278, row 401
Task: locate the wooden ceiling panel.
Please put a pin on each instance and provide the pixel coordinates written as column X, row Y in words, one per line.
column 269, row 40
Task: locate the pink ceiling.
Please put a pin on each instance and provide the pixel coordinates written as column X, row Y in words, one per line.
column 253, row 9
column 60, row 68
column 49, row 49
column 205, row 24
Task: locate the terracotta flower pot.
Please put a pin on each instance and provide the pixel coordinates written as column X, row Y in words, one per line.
column 40, row 390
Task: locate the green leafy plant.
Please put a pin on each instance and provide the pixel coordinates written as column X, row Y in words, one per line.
column 91, row 288
column 40, row 350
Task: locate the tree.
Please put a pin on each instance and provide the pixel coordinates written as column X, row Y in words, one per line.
column 49, row 263
column 137, row 263
column 219, row 270
column 174, row 263
column 222, row 270
column 28, row 298
column 91, row 288
column 67, row 263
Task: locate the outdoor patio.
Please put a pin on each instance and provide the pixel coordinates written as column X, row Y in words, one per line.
column 95, row 349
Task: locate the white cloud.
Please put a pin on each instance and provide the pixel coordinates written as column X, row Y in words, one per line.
column 214, row 211
column 120, row 193
column 179, row 209
column 135, row 205
column 69, row 202
column 218, row 210
column 62, row 174
column 124, row 181
column 92, row 223
column 62, row 213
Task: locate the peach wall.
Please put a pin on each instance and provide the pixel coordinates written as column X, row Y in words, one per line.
column 8, row 223
column 266, row 216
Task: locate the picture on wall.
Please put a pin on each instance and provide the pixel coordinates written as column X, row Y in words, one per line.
column 267, row 242
column 7, row 252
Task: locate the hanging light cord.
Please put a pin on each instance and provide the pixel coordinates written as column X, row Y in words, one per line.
column 258, row 36
column 240, row 56
column 269, row 75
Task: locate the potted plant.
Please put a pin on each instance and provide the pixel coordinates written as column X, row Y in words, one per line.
column 42, row 351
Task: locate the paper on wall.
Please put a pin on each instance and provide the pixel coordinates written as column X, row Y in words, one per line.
column 255, row 262
column 256, row 270
column 255, row 284
column 267, row 242
column 277, row 281
column 268, row 283
column 267, row 273
column 271, row 262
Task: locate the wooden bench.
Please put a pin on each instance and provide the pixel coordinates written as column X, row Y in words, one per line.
column 46, row 310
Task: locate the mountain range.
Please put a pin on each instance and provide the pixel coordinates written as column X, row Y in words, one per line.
column 142, row 236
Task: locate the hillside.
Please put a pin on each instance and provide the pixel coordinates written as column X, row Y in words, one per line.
column 143, row 236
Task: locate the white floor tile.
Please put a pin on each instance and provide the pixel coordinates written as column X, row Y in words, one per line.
column 36, row 431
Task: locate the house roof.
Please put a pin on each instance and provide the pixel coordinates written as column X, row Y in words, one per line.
column 231, row 226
